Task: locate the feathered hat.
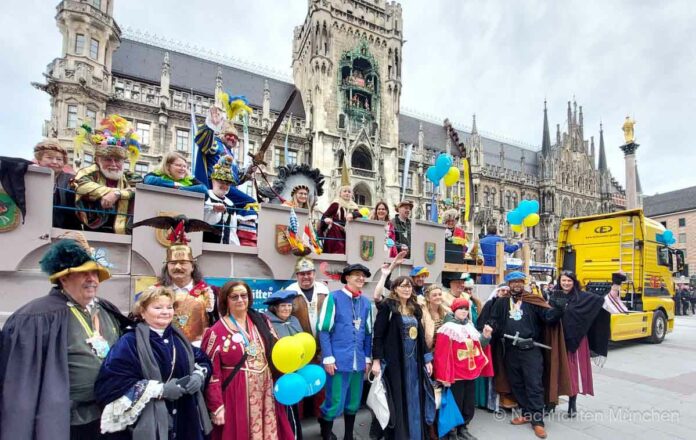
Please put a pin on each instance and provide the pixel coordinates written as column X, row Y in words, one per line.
column 71, row 255
column 293, row 177
column 178, row 250
column 114, row 137
column 223, row 170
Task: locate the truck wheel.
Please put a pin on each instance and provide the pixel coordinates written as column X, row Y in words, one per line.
column 659, row 328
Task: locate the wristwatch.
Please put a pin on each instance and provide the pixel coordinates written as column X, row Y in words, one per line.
column 118, row 193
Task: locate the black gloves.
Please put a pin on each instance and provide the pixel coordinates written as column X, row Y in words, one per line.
column 558, row 301
column 618, row 278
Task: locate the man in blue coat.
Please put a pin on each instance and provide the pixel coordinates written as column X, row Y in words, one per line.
column 488, row 245
column 345, row 336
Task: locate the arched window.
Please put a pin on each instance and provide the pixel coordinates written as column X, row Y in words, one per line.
column 361, row 159
column 486, row 197
column 341, row 154
column 361, row 195
column 508, row 201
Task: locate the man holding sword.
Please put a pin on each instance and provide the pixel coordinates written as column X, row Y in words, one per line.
column 531, row 336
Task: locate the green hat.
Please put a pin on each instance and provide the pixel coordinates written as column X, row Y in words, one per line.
column 223, row 170
column 70, row 256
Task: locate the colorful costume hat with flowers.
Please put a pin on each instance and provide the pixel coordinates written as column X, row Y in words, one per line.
column 223, row 170
column 72, row 255
column 114, row 137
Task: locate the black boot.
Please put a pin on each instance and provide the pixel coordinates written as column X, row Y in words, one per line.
column 572, row 408
column 464, row 434
column 349, row 421
column 376, row 432
column 325, row 427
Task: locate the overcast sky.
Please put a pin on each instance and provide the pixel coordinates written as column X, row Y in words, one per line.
column 499, row 59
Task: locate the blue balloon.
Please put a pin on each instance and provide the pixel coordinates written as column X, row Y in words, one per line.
column 290, row 389
column 525, row 208
column 442, row 165
column 315, row 376
column 390, row 243
column 515, row 217
column 431, row 174
column 668, row 236
column 534, row 205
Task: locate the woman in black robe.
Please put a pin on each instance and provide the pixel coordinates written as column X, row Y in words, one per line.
column 399, row 346
column 586, row 328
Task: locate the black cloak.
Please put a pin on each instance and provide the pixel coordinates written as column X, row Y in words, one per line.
column 388, row 347
column 34, row 380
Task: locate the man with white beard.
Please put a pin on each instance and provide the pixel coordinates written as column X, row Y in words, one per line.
column 104, row 196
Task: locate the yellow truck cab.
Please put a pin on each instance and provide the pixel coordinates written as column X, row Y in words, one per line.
column 596, row 246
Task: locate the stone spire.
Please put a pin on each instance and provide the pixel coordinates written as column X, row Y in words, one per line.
column 545, row 137
column 602, row 166
column 581, row 128
column 474, row 130
column 570, row 119
column 592, row 151
column 421, row 137
column 218, row 81
column 266, row 106
column 164, row 79
column 558, row 135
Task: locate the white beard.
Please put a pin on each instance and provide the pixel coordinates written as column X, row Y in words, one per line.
column 110, row 175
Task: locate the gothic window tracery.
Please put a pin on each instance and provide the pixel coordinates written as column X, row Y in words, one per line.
column 360, row 84
column 361, row 159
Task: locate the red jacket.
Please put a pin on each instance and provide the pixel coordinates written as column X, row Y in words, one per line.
column 459, row 354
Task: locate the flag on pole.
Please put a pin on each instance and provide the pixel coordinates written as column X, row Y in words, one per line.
column 407, row 163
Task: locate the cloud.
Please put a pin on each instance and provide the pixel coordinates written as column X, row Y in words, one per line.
column 496, row 58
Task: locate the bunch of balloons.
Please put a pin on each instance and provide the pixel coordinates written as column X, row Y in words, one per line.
column 365, row 212
column 291, row 355
column 525, row 215
column 443, row 169
column 667, row 237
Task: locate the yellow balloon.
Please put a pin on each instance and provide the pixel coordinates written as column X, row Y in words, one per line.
column 364, row 212
column 309, row 344
column 517, row 228
column 452, row 176
column 531, row 220
column 288, row 354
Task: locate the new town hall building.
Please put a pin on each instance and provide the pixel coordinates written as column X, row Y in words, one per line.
column 347, row 65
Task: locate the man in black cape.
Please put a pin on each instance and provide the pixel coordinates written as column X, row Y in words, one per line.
column 53, row 347
column 535, row 375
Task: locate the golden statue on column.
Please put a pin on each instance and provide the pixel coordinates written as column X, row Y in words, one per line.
column 628, row 130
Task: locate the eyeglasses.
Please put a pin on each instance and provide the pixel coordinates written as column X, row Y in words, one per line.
column 235, row 298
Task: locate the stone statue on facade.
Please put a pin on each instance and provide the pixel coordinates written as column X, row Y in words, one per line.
column 628, row 130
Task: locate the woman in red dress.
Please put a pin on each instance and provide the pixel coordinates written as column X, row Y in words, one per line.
column 240, row 393
column 332, row 228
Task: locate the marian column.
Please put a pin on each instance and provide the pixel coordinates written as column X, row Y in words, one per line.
column 629, row 149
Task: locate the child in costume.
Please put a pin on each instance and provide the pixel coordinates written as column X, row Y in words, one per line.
column 218, row 209
column 462, row 355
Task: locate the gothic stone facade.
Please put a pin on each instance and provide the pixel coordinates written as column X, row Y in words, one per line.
column 347, row 58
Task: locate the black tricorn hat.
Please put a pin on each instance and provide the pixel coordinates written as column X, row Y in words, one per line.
column 353, row 267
